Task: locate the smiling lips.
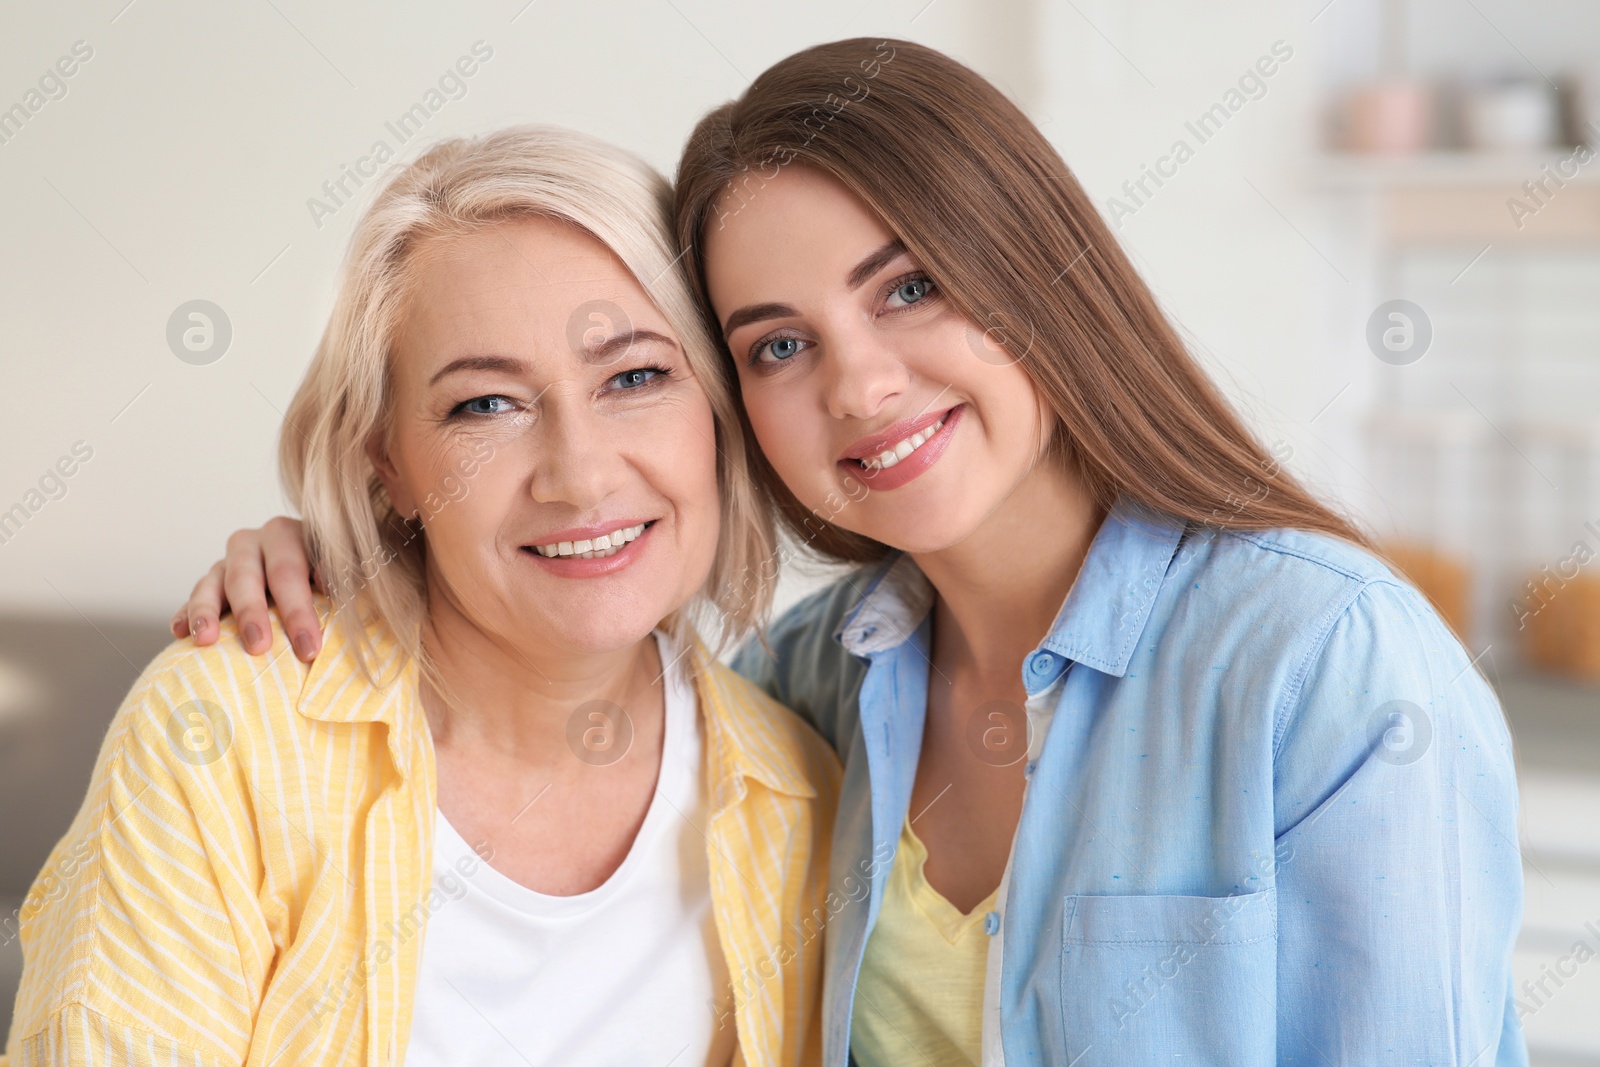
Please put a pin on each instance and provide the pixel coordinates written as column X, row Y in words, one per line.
column 898, row 454
column 592, row 547
column 902, row 448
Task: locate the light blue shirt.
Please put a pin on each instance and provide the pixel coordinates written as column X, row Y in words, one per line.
column 1272, row 819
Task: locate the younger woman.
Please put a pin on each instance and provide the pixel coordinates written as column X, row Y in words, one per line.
column 1148, row 759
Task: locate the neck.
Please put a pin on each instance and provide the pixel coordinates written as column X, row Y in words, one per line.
column 517, row 697
column 1001, row 588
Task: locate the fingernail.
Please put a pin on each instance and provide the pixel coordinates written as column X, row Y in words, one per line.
column 252, row 636
column 198, row 626
column 304, row 645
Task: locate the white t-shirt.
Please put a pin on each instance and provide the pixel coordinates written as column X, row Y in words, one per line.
column 628, row 973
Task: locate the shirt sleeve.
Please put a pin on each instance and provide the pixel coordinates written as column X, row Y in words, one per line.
column 1399, row 879
column 142, row 939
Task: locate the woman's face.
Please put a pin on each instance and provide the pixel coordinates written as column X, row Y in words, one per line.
column 880, row 406
column 549, row 433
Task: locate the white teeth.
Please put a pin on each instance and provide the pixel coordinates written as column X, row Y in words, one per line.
column 595, row 548
column 890, row 456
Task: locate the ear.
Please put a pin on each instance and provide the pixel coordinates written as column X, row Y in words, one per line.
column 393, row 484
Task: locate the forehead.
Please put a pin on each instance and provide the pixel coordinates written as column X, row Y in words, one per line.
column 762, row 230
column 517, row 280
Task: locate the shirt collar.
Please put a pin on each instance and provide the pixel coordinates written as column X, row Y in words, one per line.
column 895, row 597
column 1099, row 623
column 1109, row 604
column 337, row 690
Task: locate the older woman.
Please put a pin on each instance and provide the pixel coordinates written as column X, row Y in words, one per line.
column 514, row 810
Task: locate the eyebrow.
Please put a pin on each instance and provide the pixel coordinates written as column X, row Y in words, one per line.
column 872, row 264
column 504, row 364
column 601, row 353
column 612, row 346
column 756, row 313
column 875, row 262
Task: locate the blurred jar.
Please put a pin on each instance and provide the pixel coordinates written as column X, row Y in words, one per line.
column 1510, row 115
column 1391, row 118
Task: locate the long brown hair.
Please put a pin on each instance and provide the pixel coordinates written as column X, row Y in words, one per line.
column 992, row 212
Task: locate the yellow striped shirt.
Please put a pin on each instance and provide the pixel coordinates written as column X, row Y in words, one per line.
column 249, row 878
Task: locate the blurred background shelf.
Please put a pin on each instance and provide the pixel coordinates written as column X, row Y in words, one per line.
column 1460, row 168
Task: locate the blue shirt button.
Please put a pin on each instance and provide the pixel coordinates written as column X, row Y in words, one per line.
column 991, row 923
column 1041, row 664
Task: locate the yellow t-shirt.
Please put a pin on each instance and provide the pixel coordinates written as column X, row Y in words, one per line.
column 920, row 995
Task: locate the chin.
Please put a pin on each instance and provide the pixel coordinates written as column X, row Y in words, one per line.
column 565, row 616
column 916, row 521
column 918, row 536
column 600, row 646
column 601, row 631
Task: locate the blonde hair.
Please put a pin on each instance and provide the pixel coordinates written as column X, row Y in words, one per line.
column 369, row 556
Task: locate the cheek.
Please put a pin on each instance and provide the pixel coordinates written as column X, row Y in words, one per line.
column 679, row 447
column 702, row 458
column 1015, row 412
column 792, row 445
column 463, row 489
column 463, row 513
column 432, row 475
column 677, row 457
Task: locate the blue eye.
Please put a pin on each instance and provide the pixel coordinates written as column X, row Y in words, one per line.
column 779, row 349
column 638, row 376
column 911, row 290
column 485, row 405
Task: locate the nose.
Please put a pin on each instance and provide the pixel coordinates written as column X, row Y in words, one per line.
column 579, row 457
column 863, row 374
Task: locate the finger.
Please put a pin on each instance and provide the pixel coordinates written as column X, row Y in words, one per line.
column 244, row 582
column 288, row 572
column 179, row 624
column 205, row 607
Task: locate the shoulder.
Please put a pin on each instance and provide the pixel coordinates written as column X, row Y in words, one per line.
column 1312, row 610
column 195, row 704
column 1370, row 645
column 1318, row 579
column 1279, row 561
column 809, row 626
column 770, row 734
column 1289, row 589
column 190, row 693
column 798, row 661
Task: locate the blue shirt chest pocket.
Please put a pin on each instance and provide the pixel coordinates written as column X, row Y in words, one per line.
column 1164, row 978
